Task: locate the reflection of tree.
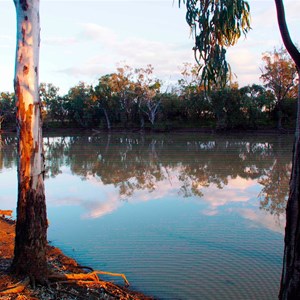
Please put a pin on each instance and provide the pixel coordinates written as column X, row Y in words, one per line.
column 214, row 162
column 275, row 190
column 55, row 149
column 128, row 165
column 140, row 162
column 8, row 151
column 195, row 177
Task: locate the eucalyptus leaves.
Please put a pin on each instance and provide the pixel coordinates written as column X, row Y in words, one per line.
column 216, row 25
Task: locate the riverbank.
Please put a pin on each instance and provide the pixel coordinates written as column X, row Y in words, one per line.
column 59, row 264
column 173, row 130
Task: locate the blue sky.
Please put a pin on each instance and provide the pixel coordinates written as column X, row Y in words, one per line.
column 83, row 40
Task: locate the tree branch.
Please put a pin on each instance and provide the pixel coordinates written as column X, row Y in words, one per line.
column 290, row 46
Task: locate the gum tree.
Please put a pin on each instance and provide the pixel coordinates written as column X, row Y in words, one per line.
column 279, row 76
column 31, row 226
column 290, row 279
column 102, row 94
column 147, row 90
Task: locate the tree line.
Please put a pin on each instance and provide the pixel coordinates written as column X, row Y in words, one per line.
column 134, row 98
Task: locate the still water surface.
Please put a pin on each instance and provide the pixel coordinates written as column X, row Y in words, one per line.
column 188, row 216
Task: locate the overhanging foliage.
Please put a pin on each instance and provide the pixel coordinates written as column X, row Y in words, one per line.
column 216, row 25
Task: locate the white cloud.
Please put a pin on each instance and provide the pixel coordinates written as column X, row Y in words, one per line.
column 58, row 41
column 98, row 33
column 109, row 34
column 109, row 48
column 5, row 37
column 245, row 64
column 7, row 42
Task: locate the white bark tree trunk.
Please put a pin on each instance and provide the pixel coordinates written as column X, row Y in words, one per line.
column 31, row 226
column 107, row 119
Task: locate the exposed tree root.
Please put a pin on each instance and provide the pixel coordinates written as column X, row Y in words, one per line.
column 80, row 278
column 73, row 281
column 93, row 281
column 92, row 276
column 16, row 288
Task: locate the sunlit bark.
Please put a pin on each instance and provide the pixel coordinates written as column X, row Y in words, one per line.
column 31, row 227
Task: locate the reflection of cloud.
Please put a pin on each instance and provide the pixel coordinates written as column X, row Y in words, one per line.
column 100, row 209
column 95, row 208
column 96, row 204
column 64, row 201
column 264, row 219
column 209, row 212
column 102, row 199
column 241, row 190
column 237, row 190
column 98, row 199
column 162, row 189
column 241, row 183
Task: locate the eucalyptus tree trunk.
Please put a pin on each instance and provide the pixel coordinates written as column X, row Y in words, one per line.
column 31, row 226
column 290, row 279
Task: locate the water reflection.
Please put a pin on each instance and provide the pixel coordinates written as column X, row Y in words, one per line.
column 155, row 206
column 184, row 164
column 275, row 182
column 142, row 168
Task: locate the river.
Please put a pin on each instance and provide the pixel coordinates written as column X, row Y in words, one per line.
column 184, row 216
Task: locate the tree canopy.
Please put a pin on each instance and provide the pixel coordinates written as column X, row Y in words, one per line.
column 279, row 75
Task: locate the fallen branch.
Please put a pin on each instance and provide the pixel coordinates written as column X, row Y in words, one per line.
column 16, row 288
column 93, row 281
column 92, row 276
